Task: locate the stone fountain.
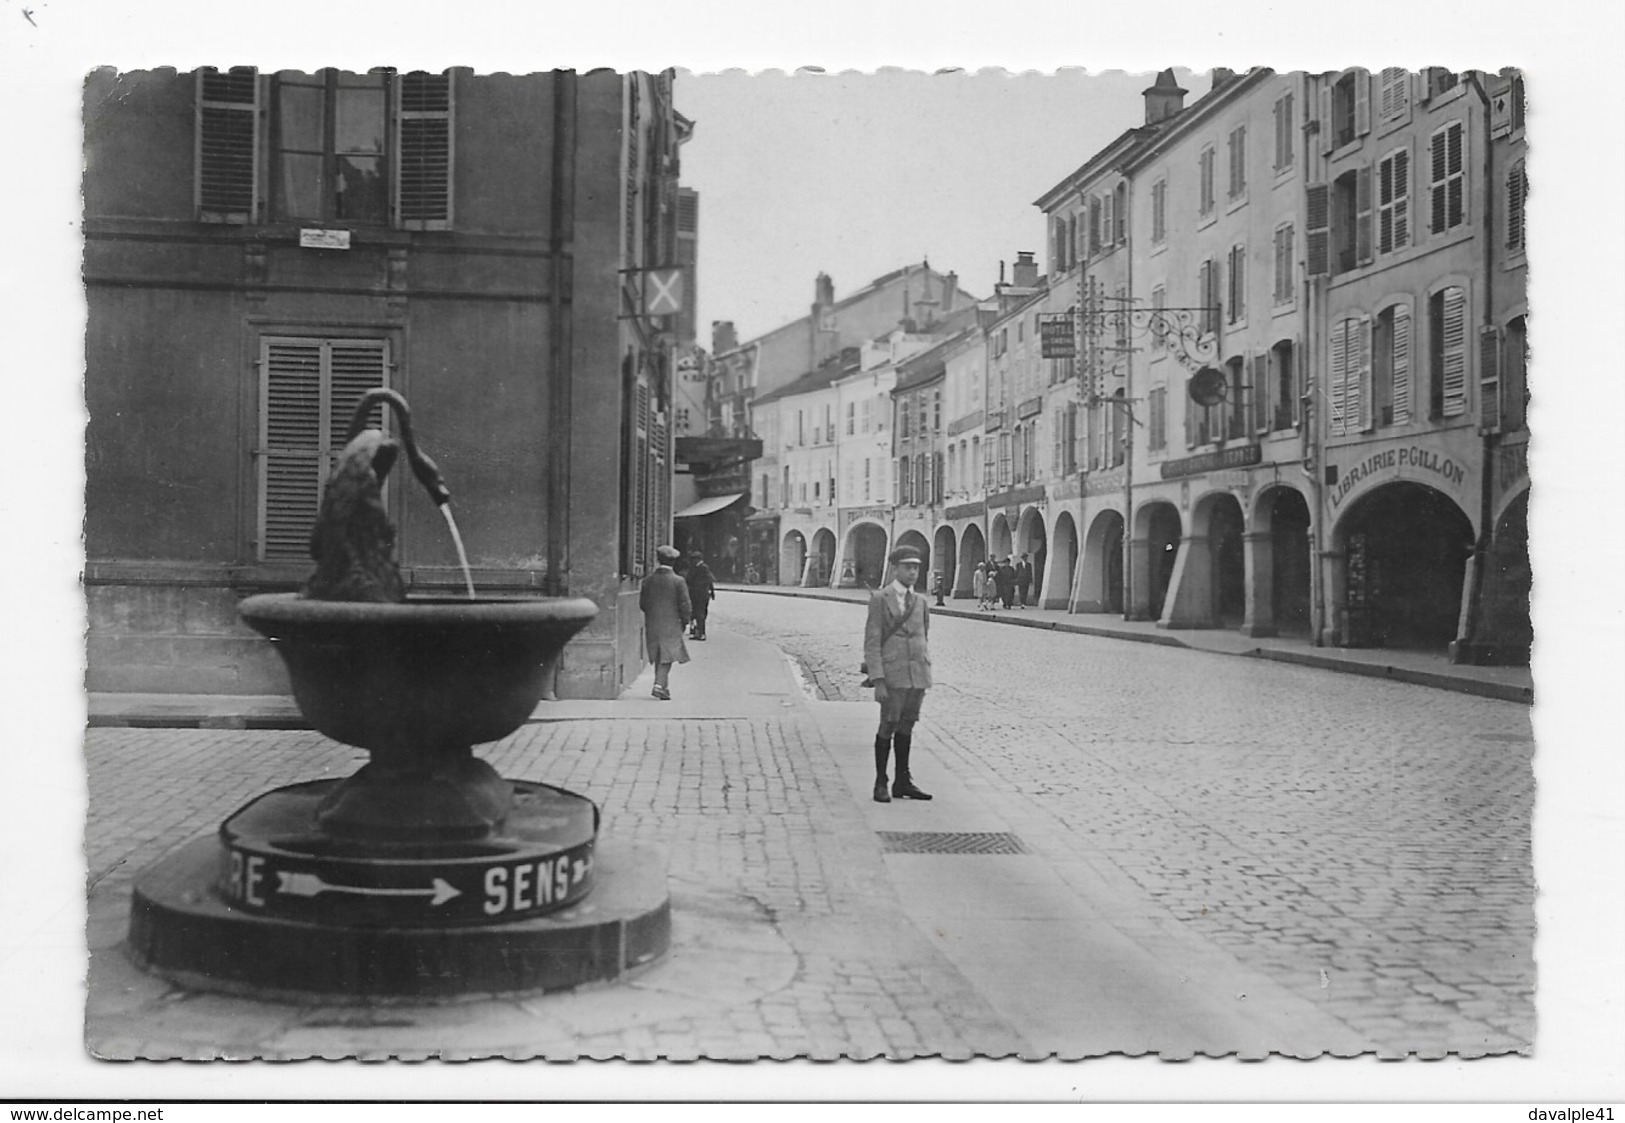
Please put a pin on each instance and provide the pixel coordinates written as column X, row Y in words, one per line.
column 426, row 874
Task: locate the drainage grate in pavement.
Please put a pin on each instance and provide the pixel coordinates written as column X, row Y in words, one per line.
column 950, row 842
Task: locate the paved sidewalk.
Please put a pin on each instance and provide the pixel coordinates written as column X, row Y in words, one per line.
column 1512, row 684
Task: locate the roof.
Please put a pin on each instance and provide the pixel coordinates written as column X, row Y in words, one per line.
column 825, row 376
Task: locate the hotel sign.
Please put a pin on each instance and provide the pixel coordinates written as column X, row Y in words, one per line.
column 1242, row 456
column 1056, row 337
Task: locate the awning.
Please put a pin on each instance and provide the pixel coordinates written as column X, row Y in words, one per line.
column 709, row 506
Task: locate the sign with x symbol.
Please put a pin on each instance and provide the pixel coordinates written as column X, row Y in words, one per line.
column 663, row 291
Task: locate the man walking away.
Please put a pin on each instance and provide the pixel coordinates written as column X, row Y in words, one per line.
column 702, row 590
column 663, row 598
column 1024, row 581
column 894, row 650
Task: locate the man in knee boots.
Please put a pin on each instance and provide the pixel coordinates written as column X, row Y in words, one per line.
column 894, row 650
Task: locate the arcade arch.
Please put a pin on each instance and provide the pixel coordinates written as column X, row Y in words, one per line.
column 1400, row 555
column 1100, row 574
column 1055, row 589
column 792, row 558
column 972, row 552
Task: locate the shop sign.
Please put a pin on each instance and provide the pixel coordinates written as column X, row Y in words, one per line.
column 1029, row 408
column 729, row 481
column 1017, row 496
column 314, row 239
column 1230, row 478
column 1239, row 457
column 965, row 511
column 1400, row 462
column 857, row 514
column 1102, row 484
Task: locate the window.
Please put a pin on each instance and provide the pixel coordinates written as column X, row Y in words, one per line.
column 1238, row 161
column 309, row 389
column 1517, row 188
column 1351, row 220
column 1004, row 459
column 228, row 152
column 866, row 478
column 1157, row 424
column 1283, row 264
column 1108, row 220
column 1350, row 110
column 1517, row 104
column 1120, row 315
column 1159, row 211
column 338, row 140
column 1394, row 96
column 1515, row 376
column 1447, row 192
column 851, row 418
column 1094, row 225
column 1285, row 387
column 1350, row 375
column 1233, row 410
column 936, row 411
column 1283, row 132
column 1204, row 167
column 1391, row 366
column 865, row 415
column 902, row 420
column 1120, row 231
column 1071, row 241
column 1393, row 201
column 1237, row 293
column 1207, row 295
column 1447, row 353
column 784, row 499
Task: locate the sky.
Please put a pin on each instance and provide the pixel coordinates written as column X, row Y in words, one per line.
column 855, row 174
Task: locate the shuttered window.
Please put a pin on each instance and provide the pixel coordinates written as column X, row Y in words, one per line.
column 358, row 149
column 1447, row 196
column 1393, row 201
column 1159, row 211
column 1318, row 220
column 1238, row 161
column 1283, row 132
column 423, row 151
column 1207, row 288
column 1447, row 331
column 1283, row 264
column 1261, row 393
column 1237, row 294
column 1489, row 379
column 1157, row 424
column 1350, row 377
column 1362, row 216
column 309, row 389
column 1204, row 168
column 1517, row 188
column 1394, row 98
column 227, row 148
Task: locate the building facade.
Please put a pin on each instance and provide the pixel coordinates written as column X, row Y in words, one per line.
column 260, row 249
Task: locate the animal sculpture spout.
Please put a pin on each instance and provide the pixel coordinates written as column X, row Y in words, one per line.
column 353, row 541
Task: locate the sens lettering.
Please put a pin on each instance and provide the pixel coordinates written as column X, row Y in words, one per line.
column 527, row 885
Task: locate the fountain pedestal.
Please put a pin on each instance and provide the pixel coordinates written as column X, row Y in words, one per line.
column 425, row 874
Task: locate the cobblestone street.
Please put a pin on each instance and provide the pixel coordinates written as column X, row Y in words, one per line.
column 1366, row 844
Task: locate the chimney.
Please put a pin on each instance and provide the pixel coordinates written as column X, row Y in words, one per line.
column 950, row 291
column 1025, row 271
column 723, row 336
column 1163, row 98
column 823, row 291
column 1001, row 271
column 1222, row 77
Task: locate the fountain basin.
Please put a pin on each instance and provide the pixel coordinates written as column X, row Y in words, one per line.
column 417, row 678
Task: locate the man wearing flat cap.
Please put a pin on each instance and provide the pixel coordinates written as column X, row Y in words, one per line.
column 666, row 612
column 894, row 651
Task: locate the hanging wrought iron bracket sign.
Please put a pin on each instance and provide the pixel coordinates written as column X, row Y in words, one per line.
column 1179, row 330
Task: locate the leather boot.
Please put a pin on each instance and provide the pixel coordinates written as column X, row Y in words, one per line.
column 904, row 787
column 882, row 753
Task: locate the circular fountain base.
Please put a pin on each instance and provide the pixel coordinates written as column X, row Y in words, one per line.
column 275, row 906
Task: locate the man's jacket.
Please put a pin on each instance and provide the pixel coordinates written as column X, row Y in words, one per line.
column 903, row 661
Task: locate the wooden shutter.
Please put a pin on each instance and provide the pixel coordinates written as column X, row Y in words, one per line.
column 1489, row 379
column 1260, row 392
column 1283, row 131
column 1454, row 369
column 1318, row 229
column 1238, row 283
column 1238, row 157
column 308, row 391
column 1362, row 102
column 1328, row 131
column 1337, row 390
column 1517, row 190
column 226, row 145
column 1401, row 364
column 1358, row 399
column 1362, row 215
column 423, row 151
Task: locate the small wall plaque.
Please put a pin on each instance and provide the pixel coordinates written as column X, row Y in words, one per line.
column 324, row 239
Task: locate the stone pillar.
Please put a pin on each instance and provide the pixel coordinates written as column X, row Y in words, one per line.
column 1258, row 550
column 1189, row 602
column 1334, row 597
column 1139, row 580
